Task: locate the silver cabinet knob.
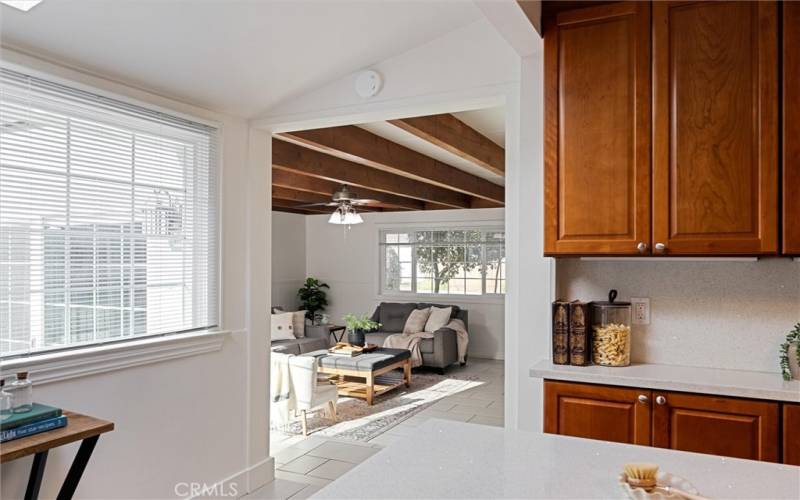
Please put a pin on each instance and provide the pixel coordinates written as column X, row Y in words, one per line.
column 643, row 399
column 660, row 247
column 642, row 247
column 661, row 400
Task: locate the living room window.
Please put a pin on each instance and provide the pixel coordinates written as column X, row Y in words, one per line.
column 443, row 261
column 108, row 219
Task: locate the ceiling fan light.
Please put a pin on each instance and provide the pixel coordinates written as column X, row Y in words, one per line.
column 353, row 218
column 337, row 217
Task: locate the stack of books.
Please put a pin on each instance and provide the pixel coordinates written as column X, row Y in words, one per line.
column 40, row 418
column 345, row 349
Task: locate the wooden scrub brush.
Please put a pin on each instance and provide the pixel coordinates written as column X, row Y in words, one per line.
column 644, row 476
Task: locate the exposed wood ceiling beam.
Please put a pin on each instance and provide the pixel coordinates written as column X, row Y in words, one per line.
column 300, row 182
column 451, row 134
column 286, row 156
column 359, row 146
column 276, row 208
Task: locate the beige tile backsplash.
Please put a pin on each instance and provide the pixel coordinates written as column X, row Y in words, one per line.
column 714, row 314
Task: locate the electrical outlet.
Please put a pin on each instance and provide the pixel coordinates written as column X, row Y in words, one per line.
column 641, row 310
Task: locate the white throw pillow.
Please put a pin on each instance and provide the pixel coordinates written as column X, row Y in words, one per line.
column 281, row 326
column 439, row 317
column 417, row 320
column 299, row 324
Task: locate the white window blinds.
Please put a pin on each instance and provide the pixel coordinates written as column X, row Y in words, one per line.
column 108, row 219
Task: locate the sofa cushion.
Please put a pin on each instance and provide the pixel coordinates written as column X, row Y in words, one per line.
column 393, row 315
column 299, row 346
column 378, row 338
column 453, row 313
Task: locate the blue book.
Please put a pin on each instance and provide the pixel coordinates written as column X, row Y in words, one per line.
column 33, row 428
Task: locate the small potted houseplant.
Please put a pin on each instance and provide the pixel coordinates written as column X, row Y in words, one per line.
column 790, row 354
column 313, row 298
column 357, row 326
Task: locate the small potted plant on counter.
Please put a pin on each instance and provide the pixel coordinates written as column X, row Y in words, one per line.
column 790, row 354
column 357, row 326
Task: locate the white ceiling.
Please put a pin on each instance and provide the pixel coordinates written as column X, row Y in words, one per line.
column 236, row 56
column 489, row 122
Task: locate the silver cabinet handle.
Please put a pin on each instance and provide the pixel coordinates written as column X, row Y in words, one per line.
column 660, row 247
column 642, row 247
column 643, row 399
column 661, row 400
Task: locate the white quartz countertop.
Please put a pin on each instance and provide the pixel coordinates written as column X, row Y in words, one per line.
column 446, row 459
column 737, row 383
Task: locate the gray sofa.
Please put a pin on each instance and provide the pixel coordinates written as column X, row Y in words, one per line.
column 439, row 352
column 316, row 338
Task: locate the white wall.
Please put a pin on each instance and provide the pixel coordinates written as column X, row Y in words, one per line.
column 467, row 69
column 288, row 258
column 201, row 418
column 713, row 313
column 348, row 260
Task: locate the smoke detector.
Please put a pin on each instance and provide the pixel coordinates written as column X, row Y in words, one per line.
column 368, row 83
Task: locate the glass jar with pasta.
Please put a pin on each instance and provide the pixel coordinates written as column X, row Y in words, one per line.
column 611, row 332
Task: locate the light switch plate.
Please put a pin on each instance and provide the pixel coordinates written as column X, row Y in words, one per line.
column 641, row 310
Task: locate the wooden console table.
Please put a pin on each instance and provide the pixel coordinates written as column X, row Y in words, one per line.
column 79, row 428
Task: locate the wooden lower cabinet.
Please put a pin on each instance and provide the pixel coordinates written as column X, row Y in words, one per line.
column 791, row 434
column 730, row 427
column 714, row 425
column 597, row 412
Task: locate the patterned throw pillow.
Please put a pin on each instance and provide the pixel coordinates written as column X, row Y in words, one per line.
column 281, row 327
column 439, row 317
column 416, row 320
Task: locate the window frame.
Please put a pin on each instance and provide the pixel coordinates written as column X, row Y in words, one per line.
column 66, row 362
column 412, row 230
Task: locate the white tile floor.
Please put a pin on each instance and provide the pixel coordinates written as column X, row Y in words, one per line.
column 303, row 465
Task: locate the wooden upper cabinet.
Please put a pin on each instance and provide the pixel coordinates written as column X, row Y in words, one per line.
column 597, row 412
column 597, row 129
column 716, row 425
column 715, row 128
column 791, row 129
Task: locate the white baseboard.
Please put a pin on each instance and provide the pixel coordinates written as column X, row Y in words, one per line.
column 241, row 483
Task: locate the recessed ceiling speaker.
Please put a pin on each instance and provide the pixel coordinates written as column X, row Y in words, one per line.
column 368, row 83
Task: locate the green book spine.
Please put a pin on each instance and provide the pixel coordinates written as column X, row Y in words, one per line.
column 37, row 413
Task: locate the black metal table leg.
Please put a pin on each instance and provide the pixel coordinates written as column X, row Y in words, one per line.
column 35, row 479
column 77, row 468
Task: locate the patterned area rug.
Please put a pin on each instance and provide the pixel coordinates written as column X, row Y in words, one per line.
column 359, row 422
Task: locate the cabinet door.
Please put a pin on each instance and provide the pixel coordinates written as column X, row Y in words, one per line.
column 791, row 434
column 715, row 125
column 791, row 128
column 597, row 130
column 715, row 425
column 597, row 412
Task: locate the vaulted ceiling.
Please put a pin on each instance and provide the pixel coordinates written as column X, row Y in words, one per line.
column 420, row 163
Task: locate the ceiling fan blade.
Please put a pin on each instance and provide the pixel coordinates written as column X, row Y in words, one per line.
column 308, row 205
column 364, row 202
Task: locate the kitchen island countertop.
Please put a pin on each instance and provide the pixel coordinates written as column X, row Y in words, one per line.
column 446, row 459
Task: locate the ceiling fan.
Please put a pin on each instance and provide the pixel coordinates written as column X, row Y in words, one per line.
column 345, row 202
